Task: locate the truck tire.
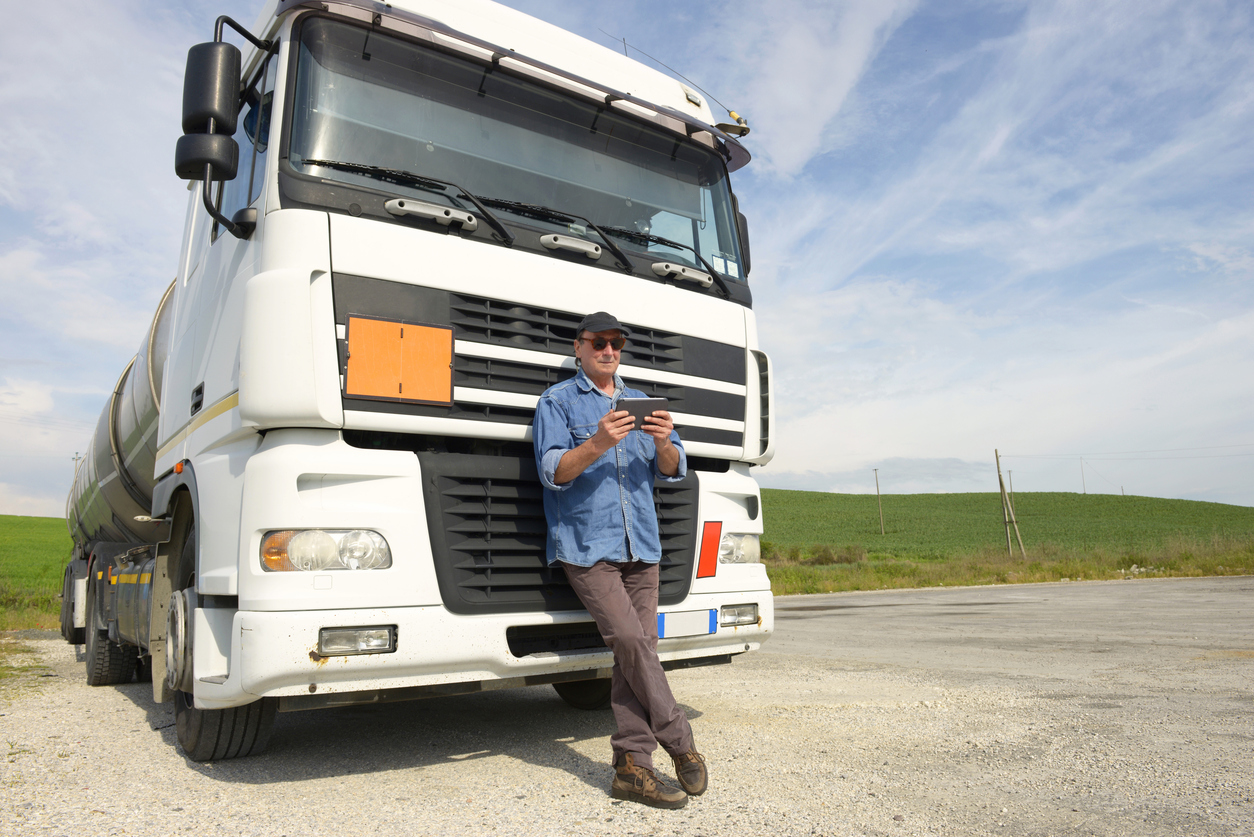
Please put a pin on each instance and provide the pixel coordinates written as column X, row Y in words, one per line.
column 107, row 662
column 73, row 635
column 585, row 694
column 216, row 734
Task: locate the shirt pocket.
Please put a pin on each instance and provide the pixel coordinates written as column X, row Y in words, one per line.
column 581, row 433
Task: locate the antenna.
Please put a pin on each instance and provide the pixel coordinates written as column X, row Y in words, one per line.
column 739, row 129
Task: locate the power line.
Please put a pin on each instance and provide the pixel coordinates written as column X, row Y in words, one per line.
column 57, row 456
column 1126, row 452
column 47, row 422
column 1117, row 458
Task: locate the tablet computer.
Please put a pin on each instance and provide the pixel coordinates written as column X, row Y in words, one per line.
column 641, row 407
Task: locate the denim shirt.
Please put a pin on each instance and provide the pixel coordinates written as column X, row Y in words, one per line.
column 605, row 513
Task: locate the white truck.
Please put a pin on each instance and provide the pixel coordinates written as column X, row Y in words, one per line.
column 314, row 485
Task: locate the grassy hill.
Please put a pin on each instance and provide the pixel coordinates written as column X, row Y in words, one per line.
column 942, row 525
column 33, row 552
column 816, row 542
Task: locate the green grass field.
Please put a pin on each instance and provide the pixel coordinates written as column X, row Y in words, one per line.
column 33, row 553
column 816, row 542
column 929, row 526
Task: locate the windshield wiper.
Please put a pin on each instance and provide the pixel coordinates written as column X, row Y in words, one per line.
column 650, row 238
column 544, row 213
column 409, row 178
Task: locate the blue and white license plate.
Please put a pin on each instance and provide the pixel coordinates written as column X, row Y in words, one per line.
column 687, row 623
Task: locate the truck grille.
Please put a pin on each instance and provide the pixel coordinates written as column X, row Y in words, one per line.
column 541, row 329
column 486, row 519
column 504, row 323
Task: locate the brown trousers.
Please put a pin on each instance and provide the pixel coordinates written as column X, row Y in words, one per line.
column 622, row 598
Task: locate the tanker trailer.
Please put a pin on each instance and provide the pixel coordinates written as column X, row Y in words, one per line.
column 107, row 513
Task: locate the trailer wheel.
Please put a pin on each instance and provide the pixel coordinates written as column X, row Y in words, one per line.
column 585, row 694
column 215, row 734
column 73, row 635
column 107, row 662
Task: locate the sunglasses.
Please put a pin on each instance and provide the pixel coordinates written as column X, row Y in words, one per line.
column 599, row 343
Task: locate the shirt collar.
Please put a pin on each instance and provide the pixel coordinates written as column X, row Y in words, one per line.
column 585, row 383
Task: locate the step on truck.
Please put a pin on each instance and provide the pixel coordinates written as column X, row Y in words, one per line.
column 314, row 485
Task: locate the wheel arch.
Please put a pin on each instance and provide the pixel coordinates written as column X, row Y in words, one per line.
column 175, row 497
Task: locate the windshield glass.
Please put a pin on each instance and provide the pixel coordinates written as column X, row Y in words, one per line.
column 367, row 98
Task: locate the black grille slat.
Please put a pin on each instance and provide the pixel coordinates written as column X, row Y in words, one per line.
column 511, row 376
column 506, row 376
column 535, row 639
column 488, row 535
column 540, row 329
column 491, row 321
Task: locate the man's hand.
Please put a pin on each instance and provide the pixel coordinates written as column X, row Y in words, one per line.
column 659, row 426
column 611, row 429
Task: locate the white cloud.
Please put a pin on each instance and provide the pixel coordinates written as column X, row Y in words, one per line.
column 790, row 67
column 37, row 441
column 20, row 500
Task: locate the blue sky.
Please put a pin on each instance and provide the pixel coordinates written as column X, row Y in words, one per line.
column 1023, row 226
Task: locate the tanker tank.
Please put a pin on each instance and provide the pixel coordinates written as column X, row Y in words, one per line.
column 114, row 481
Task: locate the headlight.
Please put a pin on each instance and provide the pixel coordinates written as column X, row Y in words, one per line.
column 739, row 549
column 318, row 550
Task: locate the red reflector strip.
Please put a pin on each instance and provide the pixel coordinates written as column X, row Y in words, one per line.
column 707, row 565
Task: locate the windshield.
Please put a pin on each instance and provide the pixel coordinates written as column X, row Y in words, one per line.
column 367, row 98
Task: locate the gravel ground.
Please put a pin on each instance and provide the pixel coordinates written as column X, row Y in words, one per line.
column 798, row 744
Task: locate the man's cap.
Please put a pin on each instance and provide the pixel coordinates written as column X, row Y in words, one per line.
column 601, row 321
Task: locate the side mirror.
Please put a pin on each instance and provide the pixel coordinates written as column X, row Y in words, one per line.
column 210, row 112
column 211, row 89
column 207, row 151
column 195, row 151
column 742, row 224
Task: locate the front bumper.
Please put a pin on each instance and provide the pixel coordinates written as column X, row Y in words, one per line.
column 275, row 654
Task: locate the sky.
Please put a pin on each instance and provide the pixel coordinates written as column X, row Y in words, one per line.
column 1016, row 226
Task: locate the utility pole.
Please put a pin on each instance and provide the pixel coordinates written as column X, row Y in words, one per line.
column 1083, row 486
column 878, row 501
column 1008, row 512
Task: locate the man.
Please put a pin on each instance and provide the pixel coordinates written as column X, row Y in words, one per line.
column 603, row 528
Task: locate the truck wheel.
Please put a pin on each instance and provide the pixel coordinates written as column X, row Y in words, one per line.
column 585, row 694
column 107, row 662
column 216, row 734
column 73, row 635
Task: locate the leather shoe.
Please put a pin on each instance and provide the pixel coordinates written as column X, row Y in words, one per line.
column 691, row 772
column 640, row 784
